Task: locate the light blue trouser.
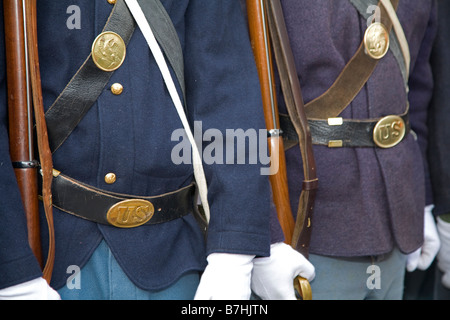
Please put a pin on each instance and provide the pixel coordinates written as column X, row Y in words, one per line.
column 103, row 279
column 377, row 278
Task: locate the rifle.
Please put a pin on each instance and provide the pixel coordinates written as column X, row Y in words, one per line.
column 265, row 28
column 24, row 99
column 263, row 58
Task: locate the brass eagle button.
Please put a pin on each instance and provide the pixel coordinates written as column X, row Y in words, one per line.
column 108, row 51
column 130, row 213
column 376, row 40
column 389, row 131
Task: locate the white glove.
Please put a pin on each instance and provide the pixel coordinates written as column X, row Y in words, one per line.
column 37, row 289
column 423, row 257
column 443, row 257
column 226, row 277
column 273, row 277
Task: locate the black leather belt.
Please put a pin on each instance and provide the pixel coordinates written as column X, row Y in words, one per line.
column 120, row 210
column 384, row 132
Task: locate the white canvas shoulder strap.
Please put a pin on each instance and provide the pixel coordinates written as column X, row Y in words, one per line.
column 199, row 174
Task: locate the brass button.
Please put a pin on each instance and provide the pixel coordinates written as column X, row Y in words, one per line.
column 108, row 51
column 376, row 40
column 111, row 1
column 110, row 178
column 117, row 89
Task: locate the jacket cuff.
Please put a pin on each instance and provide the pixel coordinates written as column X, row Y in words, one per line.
column 19, row 271
column 238, row 243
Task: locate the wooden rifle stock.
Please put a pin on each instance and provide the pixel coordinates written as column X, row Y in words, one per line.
column 24, row 97
column 20, row 129
column 259, row 35
column 263, row 58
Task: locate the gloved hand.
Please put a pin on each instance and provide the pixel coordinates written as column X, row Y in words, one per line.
column 226, row 277
column 443, row 257
column 273, row 277
column 37, row 289
column 423, row 257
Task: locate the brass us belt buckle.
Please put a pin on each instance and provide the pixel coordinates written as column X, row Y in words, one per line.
column 130, row 213
column 389, row 131
column 376, row 40
column 108, row 51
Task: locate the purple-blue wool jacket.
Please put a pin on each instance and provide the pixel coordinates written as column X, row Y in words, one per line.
column 369, row 200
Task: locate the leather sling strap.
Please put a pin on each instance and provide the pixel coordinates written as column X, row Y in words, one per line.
column 294, row 103
column 350, row 82
column 167, row 37
column 88, row 83
column 45, row 156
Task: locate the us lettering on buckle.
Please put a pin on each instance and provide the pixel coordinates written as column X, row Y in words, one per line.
column 389, row 131
column 130, row 213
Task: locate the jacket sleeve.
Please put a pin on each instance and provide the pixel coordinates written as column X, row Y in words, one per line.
column 420, row 94
column 439, row 114
column 223, row 98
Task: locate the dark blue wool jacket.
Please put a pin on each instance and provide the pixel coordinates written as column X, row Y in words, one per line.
column 130, row 135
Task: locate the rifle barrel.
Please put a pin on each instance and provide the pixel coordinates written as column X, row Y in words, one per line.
column 20, row 119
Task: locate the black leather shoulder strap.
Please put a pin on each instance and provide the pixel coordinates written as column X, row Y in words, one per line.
column 88, row 83
column 167, row 37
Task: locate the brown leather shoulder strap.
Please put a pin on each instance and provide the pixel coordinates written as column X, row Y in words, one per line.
column 294, row 103
column 351, row 80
